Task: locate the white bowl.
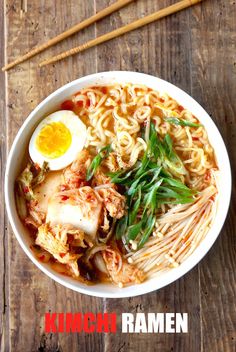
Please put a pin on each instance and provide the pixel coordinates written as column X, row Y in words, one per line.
column 14, row 165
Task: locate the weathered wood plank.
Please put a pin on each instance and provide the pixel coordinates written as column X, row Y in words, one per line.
column 4, row 306
column 195, row 50
column 32, row 293
column 158, row 49
column 213, row 37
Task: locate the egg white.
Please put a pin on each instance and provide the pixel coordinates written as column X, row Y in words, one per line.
column 78, row 133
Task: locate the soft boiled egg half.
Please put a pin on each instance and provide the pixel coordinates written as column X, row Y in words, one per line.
column 57, row 140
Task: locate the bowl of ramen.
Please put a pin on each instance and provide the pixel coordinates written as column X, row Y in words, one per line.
column 117, row 184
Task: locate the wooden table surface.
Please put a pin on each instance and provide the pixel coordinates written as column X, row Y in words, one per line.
column 194, row 49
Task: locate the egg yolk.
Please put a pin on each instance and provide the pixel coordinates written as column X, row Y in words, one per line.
column 53, row 140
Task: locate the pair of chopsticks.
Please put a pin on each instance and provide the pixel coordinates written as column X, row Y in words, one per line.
column 103, row 38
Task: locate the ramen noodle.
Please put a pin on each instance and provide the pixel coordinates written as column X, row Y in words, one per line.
column 135, row 193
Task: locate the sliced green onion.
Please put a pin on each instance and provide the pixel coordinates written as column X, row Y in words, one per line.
column 150, row 183
column 115, row 177
column 150, row 197
column 136, row 182
column 121, row 227
column 135, row 208
column 168, row 145
column 175, row 183
column 150, row 224
column 133, row 231
column 97, row 161
column 177, row 121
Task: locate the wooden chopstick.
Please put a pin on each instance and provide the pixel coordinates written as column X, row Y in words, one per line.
column 122, row 30
column 98, row 16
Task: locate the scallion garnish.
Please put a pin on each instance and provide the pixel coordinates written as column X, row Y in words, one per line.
column 121, row 227
column 103, row 153
column 148, row 184
column 150, row 225
column 177, row 121
column 133, row 231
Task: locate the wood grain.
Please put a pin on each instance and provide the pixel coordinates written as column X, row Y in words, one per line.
column 75, row 29
column 195, row 50
column 214, row 84
column 4, row 306
column 143, row 21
